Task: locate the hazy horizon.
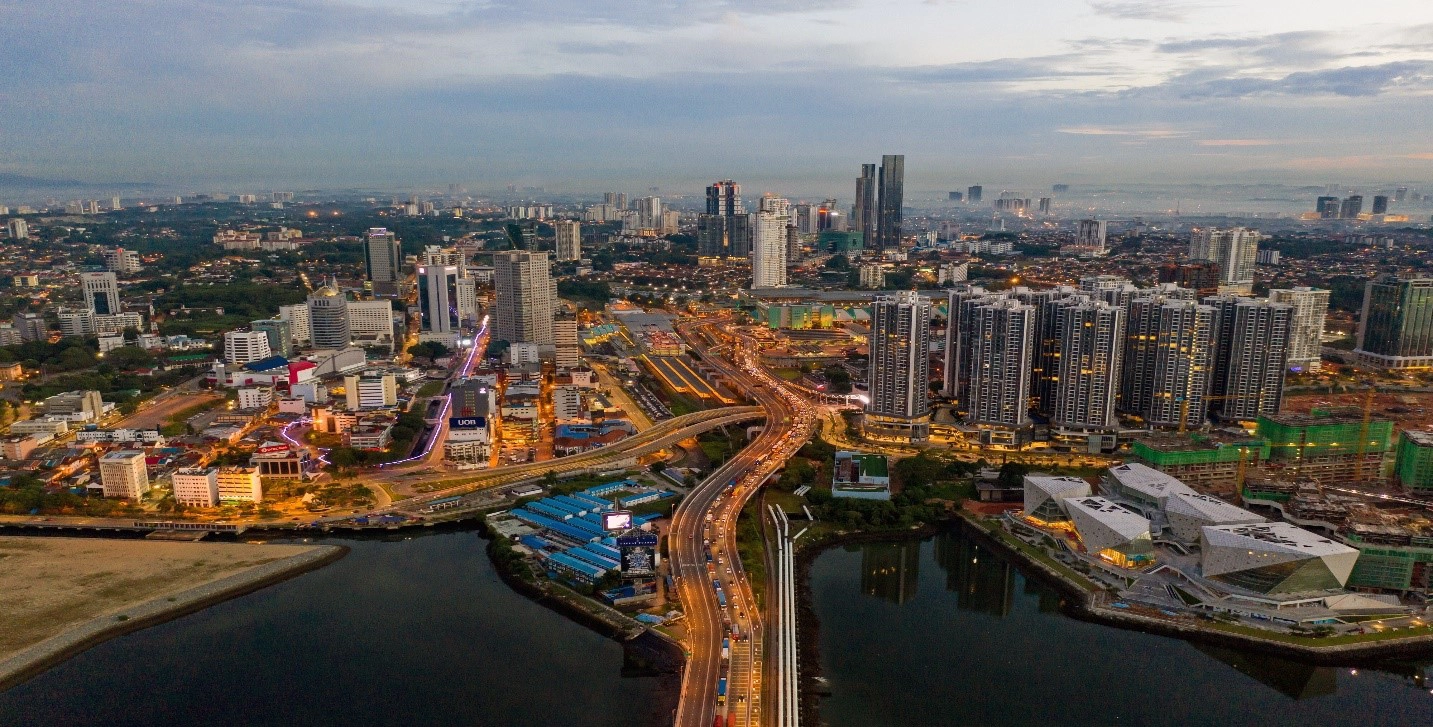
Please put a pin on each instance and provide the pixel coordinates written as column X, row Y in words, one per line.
column 780, row 94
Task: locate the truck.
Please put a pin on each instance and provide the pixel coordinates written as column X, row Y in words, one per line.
column 721, row 691
column 725, row 649
column 721, row 597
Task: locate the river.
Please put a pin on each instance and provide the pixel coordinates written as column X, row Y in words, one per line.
column 409, row 631
column 943, row 631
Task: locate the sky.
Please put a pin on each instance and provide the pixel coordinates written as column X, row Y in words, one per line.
column 792, row 95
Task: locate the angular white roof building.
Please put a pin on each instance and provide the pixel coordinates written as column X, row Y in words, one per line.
column 1043, row 494
column 1188, row 513
column 1110, row 531
column 1274, row 558
column 1142, row 485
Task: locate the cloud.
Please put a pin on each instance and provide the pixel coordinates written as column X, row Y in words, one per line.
column 1138, row 133
column 1236, row 142
column 1157, row 10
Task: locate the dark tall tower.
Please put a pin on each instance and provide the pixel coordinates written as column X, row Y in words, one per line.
column 864, row 217
column 725, row 230
column 893, row 185
column 1380, row 204
column 724, row 198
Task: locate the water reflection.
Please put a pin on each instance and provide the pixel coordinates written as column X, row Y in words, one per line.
column 891, row 571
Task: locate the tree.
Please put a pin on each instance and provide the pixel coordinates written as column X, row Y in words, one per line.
column 658, row 467
column 431, row 350
column 838, row 262
column 1012, row 474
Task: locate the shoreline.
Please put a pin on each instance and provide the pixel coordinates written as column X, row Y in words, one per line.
column 40, row 657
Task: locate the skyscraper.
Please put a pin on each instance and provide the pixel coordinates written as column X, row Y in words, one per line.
column 973, row 194
column 1001, row 359
column 1351, row 208
column 1090, row 237
column 960, row 304
column 1091, row 350
column 101, row 291
column 892, row 197
column 525, row 297
column 438, row 301
column 241, row 347
column 1235, row 250
column 564, row 334
column 863, row 215
column 724, row 198
column 382, row 256
column 725, row 230
column 768, row 258
column 1380, row 204
column 1168, row 354
column 17, row 228
column 1327, row 207
column 279, row 333
column 1252, row 346
column 328, row 318
column 899, row 368
column 1311, row 307
column 569, row 240
column 1395, row 330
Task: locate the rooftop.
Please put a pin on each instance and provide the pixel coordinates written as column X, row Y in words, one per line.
column 1277, row 536
column 1127, row 524
column 1147, row 480
column 1208, row 508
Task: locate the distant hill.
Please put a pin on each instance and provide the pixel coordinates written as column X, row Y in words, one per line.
column 26, row 182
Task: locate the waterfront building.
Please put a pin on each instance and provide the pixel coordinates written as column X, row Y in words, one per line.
column 1044, row 496
column 1001, row 359
column 1274, row 558
column 239, row 484
column 1111, row 532
column 899, row 368
column 861, row 476
column 1091, row 336
column 196, row 486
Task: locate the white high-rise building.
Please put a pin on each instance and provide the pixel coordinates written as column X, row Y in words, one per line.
column 240, row 484
column 1311, row 307
column 196, row 486
column 649, row 212
column 17, row 228
column 124, row 475
column 525, row 297
column 328, row 319
column 76, row 322
column 371, row 320
column 435, row 255
column 899, row 368
column 241, row 347
column 1090, row 238
column 370, row 391
column 122, row 261
column 297, row 316
column 438, row 301
column 101, row 291
column 382, row 256
column 768, row 251
column 469, row 310
column 1002, row 358
column 1235, row 250
column 569, row 240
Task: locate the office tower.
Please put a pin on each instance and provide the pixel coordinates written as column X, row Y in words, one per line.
column 724, row 236
column 828, row 218
column 1045, row 205
column 1090, row 237
column 724, row 198
column 101, row 291
column 76, row 322
column 899, row 367
column 1395, row 330
column 382, row 256
column 370, row 391
column 526, row 297
column 1002, row 345
column 1311, row 306
column 569, row 240
column 370, row 322
column 955, row 196
column 196, row 486
column 469, row 310
column 1059, row 188
column 1168, row 353
column 280, row 334
column 18, row 229
column 1400, row 194
column 649, row 212
column 328, row 318
column 438, row 300
column 768, row 258
column 1351, row 208
column 892, row 197
column 123, row 474
column 241, row 347
column 435, row 255
column 973, row 194
column 1251, row 350
column 297, row 317
column 122, row 261
column 1327, row 207
column 863, row 215
column 1235, row 250
column 616, row 199
column 564, row 335
column 1380, row 204
column 1091, row 338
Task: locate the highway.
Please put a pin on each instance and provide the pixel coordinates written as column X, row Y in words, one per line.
column 706, row 519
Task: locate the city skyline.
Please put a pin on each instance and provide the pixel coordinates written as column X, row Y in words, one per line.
column 409, row 92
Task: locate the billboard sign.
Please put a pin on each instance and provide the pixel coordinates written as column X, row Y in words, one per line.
column 616, row 520
column 272, row 448
column 638, row 562
column 467, row 422
column 635, row 540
